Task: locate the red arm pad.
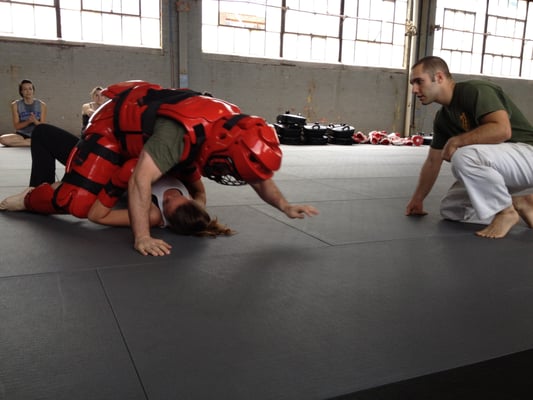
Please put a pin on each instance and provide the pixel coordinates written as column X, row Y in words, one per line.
column 118, row 183
column 122, row 176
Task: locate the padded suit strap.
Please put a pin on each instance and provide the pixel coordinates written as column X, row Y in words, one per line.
column 155, row 98
column 152, row 100
column 119, row 101
column 234, row 120
column 91, row 146
column 188, row 165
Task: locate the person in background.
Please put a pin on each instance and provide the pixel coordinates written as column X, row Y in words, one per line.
column 27, row 112
column 489, row 144
column 88, row 109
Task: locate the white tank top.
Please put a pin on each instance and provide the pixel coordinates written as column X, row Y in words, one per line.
column 163, row 184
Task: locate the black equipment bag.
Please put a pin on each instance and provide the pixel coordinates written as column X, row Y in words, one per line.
column 315, row 134
column 341, row 131
column 290, row 119
column 289, row 134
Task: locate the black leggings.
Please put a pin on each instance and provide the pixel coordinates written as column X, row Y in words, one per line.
column 48, row 144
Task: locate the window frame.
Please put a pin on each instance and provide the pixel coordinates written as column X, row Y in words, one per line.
column 74, row 21
column 284, row 40
column 485, row 57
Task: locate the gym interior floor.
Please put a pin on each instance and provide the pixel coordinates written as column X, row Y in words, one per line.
column 358, row 297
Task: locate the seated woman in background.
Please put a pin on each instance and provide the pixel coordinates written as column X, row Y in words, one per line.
column 88, row 109
column 27, row 112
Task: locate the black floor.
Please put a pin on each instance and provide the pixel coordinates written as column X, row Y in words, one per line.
column 358, row 301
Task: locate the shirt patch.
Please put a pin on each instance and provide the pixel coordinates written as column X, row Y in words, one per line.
column 465, row 124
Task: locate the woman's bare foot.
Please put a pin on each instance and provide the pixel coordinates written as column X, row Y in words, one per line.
column 524, row 206
column 501, row 224
column 15, row 202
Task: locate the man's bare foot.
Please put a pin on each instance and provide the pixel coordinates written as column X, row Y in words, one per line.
column 524, row 206
column 15, row 202
column 501, row 224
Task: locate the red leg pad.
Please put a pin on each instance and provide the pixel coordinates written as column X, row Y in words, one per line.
column 39, row 200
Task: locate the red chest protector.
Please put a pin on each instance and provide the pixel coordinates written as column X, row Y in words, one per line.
column 130, row 115
column 116, row 133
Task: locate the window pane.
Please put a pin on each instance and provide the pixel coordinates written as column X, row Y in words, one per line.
column 150, row 8
column 112, row 33
column 226, row 40
column 210, row 13
column 38, row 2
column 95, row 5
column 71, row 25
column 91, row 24
column 70, row 4
column 45, row 23
column 5, row 18
column 131, row 30
column 257, row 43
column 209, row 39
column 111, row 6
column 150, row 32
column 272, row 45
column 131, row 7
column 23, row 20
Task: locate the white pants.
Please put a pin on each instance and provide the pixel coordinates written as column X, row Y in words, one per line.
column 488, row 175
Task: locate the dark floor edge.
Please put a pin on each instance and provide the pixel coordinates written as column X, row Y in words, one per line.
column 504, row 378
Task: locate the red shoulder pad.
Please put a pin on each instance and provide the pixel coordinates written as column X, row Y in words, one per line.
column 199, row 110
column 117, row 88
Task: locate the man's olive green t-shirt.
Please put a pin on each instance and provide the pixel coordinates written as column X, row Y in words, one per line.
column 166, row 146
column 470, row 102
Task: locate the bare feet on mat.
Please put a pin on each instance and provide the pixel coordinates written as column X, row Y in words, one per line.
column 524, row 206
column 15, row 202
column 501, row 224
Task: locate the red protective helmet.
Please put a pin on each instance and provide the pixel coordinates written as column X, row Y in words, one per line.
column 240, row 149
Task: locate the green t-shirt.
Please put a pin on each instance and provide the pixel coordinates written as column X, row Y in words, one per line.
column 166, row 145
column 470, row 102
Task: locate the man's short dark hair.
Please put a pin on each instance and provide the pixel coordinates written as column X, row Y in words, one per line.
column 432, row 64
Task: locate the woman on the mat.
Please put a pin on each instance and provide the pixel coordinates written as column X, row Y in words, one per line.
column 172, row 207
column 178, row 206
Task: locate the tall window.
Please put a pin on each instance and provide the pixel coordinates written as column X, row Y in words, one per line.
column 490, row 37
column 374, row 33
column 118, row 22
column 351, row 32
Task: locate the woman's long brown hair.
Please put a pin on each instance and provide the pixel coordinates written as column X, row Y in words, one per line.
column 192, row 219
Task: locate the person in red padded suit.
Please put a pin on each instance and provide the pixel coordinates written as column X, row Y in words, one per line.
column 178, row 132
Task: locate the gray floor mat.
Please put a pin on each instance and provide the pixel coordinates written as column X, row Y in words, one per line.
column 356, row 297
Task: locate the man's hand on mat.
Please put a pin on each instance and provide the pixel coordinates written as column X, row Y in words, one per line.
column 150, row 246
column 300, row 211
column 415, row 208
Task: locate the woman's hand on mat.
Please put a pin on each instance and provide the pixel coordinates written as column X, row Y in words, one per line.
column 148, row 245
